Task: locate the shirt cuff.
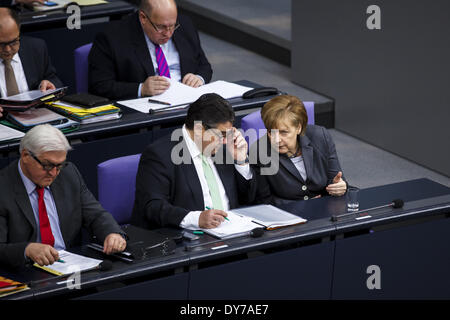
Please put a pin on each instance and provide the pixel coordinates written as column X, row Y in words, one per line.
column 201, row 78
column 190, row 221
column 139, row 90
column 244, row 171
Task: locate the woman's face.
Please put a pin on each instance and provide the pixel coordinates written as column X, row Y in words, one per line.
column 284, row 137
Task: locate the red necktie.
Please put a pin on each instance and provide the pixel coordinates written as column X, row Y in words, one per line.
column 44, row 223
column 163, row 68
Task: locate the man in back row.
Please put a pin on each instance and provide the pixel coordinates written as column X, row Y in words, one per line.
column 25, row 63
column 134, row 57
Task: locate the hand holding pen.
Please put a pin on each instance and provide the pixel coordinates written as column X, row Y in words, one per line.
column 211, row 218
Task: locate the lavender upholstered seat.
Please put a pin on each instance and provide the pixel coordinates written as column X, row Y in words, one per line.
column 81, row 67
column 116, row 186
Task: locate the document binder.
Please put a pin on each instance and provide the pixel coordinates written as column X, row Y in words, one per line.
column 34, row 98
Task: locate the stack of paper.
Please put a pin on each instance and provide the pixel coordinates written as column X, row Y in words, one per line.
column 86, row 115
column 71, row 263
column 8, row 286
column 180, row 95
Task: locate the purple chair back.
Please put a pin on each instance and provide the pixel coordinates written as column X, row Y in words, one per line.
column 116, row 186
column 81, row 67
column 254, row 121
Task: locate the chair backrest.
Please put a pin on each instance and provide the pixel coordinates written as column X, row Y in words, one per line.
column 254, row 121
column 81, row 67
column 116, row 186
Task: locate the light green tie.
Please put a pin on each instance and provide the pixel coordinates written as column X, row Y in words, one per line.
column 212, row 184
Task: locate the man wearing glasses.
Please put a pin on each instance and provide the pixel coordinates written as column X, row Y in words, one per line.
column 44, row 204
column 25, row 64
column 135, row 57
column 191, row 180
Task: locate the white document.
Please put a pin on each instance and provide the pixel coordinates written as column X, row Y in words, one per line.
column 72, row 263
column 269, row 216
column 180, row 95
column 7, row 133
column 235, row 226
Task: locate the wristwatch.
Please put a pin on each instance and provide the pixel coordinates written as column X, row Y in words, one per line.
column 242, row 162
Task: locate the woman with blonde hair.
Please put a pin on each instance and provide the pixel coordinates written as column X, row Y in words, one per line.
column 308, row 165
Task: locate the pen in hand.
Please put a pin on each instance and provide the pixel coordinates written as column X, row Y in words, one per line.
column 208, row 208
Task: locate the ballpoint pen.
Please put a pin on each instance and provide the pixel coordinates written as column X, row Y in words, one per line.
column 158, row 102
column 224, row 217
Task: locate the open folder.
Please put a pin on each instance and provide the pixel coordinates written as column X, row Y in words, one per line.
column 26, row 100
column 241, row 221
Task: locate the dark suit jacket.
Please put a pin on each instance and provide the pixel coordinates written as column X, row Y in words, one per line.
column 36, row 63
column 75, row 204
column 321, row 164
column 119, row 59
column 166, row 192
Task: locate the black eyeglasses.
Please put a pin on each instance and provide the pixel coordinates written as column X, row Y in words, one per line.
column 49, row 166
column 222, row 135
column 161, row 28
column 13, row 43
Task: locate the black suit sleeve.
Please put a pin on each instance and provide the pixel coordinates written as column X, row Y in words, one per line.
column 97, row 220
column 154, row 182
column 104, row 79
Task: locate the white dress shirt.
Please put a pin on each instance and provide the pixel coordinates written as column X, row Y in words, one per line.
column 190, row 221
column 172, row 57
column 21, row 80
column 51, row 210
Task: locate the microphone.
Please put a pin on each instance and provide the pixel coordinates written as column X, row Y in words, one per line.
column 254, row 233
column 105, row 265
column 396, row 203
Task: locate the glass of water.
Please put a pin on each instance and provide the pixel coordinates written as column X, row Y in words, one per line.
column 352, row 199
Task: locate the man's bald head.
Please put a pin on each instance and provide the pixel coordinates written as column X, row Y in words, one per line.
column 160, row 6
column 9, row 33
column 158, row 19
column 9, row 18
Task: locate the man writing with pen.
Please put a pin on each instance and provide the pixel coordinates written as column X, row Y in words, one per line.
column 191, row 178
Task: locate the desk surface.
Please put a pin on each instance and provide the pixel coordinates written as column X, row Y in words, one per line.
column 422, row 198
column 31, row 19
column 134, row 120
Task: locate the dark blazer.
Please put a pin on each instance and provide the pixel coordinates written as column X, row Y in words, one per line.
column 75, row 204
column 167, row 192
column 321, row 164
column 119, row 59
column 36, row 63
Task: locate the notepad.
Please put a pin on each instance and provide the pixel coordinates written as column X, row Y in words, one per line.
column 72, row 263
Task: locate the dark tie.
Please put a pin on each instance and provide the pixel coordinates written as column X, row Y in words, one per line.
column 10, row 79
column 44, row 223
column 163, row 68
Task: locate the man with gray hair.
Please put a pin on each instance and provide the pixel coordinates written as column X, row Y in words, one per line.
column 44, row 203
